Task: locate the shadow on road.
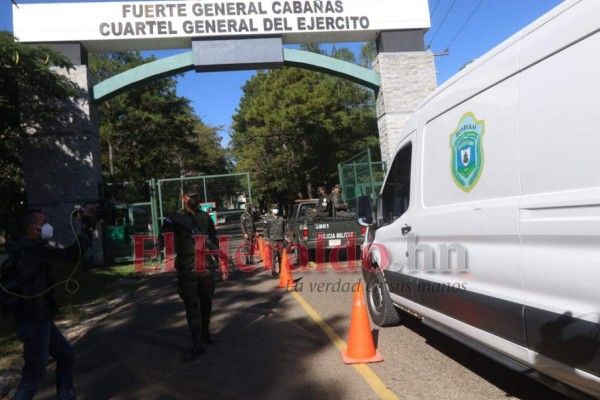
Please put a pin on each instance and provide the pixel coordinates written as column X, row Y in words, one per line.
column 512, row 383
column 262, row 350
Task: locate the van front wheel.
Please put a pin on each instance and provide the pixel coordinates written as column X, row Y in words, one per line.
column 382, row 310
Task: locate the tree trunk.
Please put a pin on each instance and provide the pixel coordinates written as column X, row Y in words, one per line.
column 111, row 166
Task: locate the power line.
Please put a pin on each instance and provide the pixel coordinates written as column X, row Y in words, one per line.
column 441, row 24
column 462, row 27
column 465, row 24
column 435, row 8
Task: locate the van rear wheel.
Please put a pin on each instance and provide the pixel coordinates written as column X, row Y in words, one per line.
column 382, row 310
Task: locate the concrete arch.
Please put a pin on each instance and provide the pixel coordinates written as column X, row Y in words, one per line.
column 184, row 62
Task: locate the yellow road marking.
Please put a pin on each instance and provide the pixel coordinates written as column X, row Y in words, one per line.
column 367, row 373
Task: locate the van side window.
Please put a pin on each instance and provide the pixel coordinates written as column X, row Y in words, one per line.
column 396, row 193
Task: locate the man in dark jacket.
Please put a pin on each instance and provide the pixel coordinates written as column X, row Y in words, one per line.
column 195, row 286
column 34, row 312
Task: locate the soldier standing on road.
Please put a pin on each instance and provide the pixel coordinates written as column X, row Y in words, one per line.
column 249, row 232
column 195, row 287
column 275, row 237
column 340, row 209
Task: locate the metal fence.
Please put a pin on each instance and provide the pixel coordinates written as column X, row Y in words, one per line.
column 225, row 195
column 138, row 208
column 360, row 176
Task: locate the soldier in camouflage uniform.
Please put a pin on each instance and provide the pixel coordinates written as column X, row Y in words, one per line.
column 275, row 237
column 340, row 209
column 249, row 232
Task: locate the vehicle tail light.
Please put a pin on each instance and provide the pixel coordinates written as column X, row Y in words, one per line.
column 304, row 231
column 363, row 230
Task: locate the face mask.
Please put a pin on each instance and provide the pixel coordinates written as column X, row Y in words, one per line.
column 46, row 231
column 275, row 211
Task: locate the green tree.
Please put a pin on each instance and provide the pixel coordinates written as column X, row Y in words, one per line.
column 31, row 94
column 149, row 131
column 293, row 127
column 368, row 53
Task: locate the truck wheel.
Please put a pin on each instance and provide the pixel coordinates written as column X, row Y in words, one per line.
column 382, row 310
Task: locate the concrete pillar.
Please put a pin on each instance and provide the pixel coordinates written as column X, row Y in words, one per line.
column 61, row 157
column 407, row 78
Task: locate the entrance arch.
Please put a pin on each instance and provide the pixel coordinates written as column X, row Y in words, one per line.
column 184, row 62
column 224, row 35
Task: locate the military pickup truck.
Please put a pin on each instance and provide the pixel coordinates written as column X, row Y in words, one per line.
column 328, row 232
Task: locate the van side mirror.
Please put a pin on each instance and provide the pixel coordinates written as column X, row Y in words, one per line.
column 364, row 211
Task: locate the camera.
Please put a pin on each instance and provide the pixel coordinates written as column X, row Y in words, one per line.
column 91, row 213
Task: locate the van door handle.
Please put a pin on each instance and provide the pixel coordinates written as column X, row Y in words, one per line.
column 405, row 230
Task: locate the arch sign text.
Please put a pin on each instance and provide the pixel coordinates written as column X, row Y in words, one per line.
column 140, row 25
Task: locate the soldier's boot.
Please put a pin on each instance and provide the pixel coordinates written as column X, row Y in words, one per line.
column 196, row 350
column 275, row 268
column 206, row 336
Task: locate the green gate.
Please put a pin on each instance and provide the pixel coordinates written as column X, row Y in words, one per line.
column 225, row 196
column 360, row 176
column 139, row 208
column 131, row 209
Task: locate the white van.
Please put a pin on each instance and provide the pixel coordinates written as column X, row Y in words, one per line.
column 488, row 223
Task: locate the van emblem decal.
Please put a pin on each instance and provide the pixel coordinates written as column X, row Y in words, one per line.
column 467, row 152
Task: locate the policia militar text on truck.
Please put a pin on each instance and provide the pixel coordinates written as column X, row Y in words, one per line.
column 488, row 224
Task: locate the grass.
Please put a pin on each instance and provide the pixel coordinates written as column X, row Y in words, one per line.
column 97, row 286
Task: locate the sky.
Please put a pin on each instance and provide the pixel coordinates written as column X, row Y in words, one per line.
column 467, row 28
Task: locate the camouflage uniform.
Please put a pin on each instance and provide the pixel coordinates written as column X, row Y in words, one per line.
column 340, row 209
column 249, row 229
column 275, row 236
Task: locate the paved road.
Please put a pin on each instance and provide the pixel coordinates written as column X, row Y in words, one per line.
column 269, row 347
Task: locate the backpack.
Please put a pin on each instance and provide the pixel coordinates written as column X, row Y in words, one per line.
column 9, row 285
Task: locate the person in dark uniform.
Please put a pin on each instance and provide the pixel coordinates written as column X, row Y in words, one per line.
column 249, row 233
column 275, row 237
column 194, row 286
column 323, row 208
column 339, row 208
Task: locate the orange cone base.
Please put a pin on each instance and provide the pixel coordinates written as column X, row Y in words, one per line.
column 349, row 360
column 284, row 285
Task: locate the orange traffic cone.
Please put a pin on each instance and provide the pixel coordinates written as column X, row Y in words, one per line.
column 361, row 349
column 256, row 247
column 261, row 248
column 268, row 259
column 285, row 275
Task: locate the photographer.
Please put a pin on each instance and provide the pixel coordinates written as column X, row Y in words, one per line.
column 35, row 311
